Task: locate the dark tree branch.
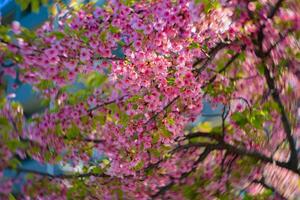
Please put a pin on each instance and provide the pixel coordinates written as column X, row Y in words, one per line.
column 265, row 185
column 165, row 188
column 244, row 100
column 293, row 160
column 164, row 108
column 60, row 176
column 284, row 118
column 13, row 123
column 212, row 135
column 223, row 162
column 224, row 116
column 257, row 155
column 274, row 9
column 281, row 38
column 231, row 163
column 105, row 104
column 111, row 58
column 96, row 141
column 238, row 151
column 229, row 62
column 213, row 52
column 8, row 65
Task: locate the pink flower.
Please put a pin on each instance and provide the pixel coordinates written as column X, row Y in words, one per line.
column 147, row 29
column 138, row 44
column 16, row 27
column 98, row 12
column 84, row 55
column 52, row 52
column 252, row 6
column 70, row 64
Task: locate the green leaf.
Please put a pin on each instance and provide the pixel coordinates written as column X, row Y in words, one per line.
column 45, row 84
column 124, row 118
column 11, row 197
column 105, row 161
column 128, row 3
column 28, row 35
column 210, row 5
column 58, row 35
column 205, row 48
column 261, row 69
column 58, row 158
column 47, row 156
column 23, row 3
column 79, row 96
column 97, row 170
column 85, row 39
column 113, row 107
column 4, row 121
column 30, row 176
column 247, row 197
column 73, row 132
column 133, row 98
column 154, row 152
column 239, row 118
column 190, row 191
column 242, row 56
column 119, row 193
column 298, row 55
column 139, row 166
column 171, row 121
column 155, row 138
column 121, row 43
column 256, row 122
column 95, row 79
column 14, row 144
column 230, row 51
column 35, row 6
column 44, row 2
column 165, row 132
column 45, row 102
column 114, row 29
column 171, row 81
column 14, row 163
column 58, row 129
column 101, row 119
column 194, row 45
column 103, row 36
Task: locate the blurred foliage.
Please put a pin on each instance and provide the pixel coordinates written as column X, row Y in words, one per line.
column 34, row 5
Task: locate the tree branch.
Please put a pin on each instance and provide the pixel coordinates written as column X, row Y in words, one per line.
column 211, row 54
column 229, row 62
column 96, row 141
column 106, row 103
column 281, row 38
column 213, row 135
column 275, row 9
column 165, row 188
column 293, row 160
column 60, row 176
column 162, row 110
column 284, row 118
column 239, row 151
column 265, row 185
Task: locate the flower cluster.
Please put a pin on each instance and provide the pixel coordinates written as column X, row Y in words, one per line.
column 136, row 107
